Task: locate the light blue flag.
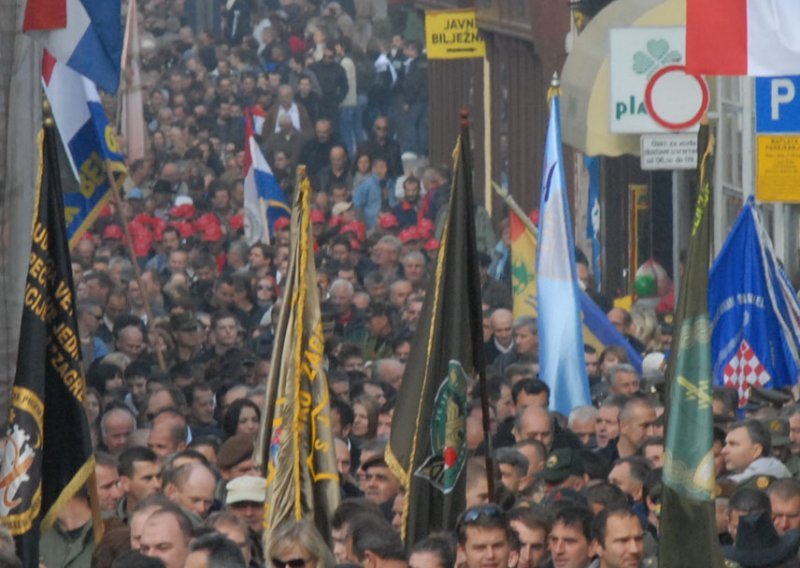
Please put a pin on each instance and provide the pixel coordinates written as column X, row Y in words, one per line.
column 561, row 359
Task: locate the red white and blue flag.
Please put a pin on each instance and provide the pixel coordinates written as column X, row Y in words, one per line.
column 86, row 35
column 264, row 200
column 89, row 140
column 743, row 37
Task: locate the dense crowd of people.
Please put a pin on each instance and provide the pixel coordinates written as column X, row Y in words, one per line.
column 177, row 326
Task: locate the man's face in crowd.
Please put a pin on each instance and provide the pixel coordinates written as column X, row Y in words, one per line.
column 381, row 129
column 251, row 513
column 196, row 494
column 342, row 299
column 412, row 191
column 623, row 545
column 323, row 131
column 785, row 513
column 485, row 548
column 381, row 484
column 162, row 538
column 739, row 450
column 794, row 432
column 118, row 429
column 130, row 341
column 621, row 477
column 145, row 481
column 510, row 477
column 584, row 429
column 202, row 409
column 223, row 294
column 533, row 544
column 108, row 490
column 527, row 341
column 607, row 425
column 638, row 425
column 536, row 425
column 569, row 547
column 226, row 332
column 502, row 322
column 505, row 404
column 592, row 364
column 625, row 383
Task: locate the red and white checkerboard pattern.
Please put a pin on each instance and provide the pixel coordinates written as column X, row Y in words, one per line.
column 744, row 369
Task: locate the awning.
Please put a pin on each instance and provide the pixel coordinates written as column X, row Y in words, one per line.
column 584, row 79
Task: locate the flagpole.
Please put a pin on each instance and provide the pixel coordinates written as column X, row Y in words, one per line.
column 262, row 209
column 514, row 206
column 115, row 193
column 484, row 391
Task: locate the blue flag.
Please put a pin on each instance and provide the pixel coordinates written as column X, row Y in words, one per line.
column 754, row 312
column 561, row 359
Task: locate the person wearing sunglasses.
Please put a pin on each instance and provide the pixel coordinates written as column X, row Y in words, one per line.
column 298, row 544
column 484, row 537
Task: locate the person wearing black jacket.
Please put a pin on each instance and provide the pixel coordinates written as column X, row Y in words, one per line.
column 412, row 116
column 380, row 145
column 333, row 81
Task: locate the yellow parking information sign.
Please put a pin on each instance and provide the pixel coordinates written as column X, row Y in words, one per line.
column 453, row 34
column 778, row 174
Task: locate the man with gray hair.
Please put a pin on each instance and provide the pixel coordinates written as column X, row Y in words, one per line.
column 526, row 345
column 350, row 322
column 622, row 379
column 116, row 427
column 386, row 254
column 583, row 423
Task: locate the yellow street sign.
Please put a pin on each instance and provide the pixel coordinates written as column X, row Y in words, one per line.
column 778, row 175
column 453, row 35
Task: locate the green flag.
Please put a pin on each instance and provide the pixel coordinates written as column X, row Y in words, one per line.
column 688, row 530
column 427, row 448
column 295, row 441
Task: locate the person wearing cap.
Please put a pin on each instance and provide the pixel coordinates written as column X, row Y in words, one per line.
column 186, row 331
column 372, row 194
column 235, row 457
column 244, row 497
column 563, row 470
column 748, row 452
column 281, row 228
column 484, row 537
column 407, row 211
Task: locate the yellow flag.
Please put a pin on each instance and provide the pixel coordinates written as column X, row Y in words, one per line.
column 295, row 442
column 523, row 268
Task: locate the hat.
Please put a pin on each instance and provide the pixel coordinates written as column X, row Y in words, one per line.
column 183, row 200
column 431, row 245
column 411, row 234
column 280, row 224
column 317, row 216
column 182, row 211
column 387, row 221
column 212, row 233
column 237, row 222
column 112, row 232
column 355, row 227
column 560, row 465
column 779, row 432
column 134, row 193
column 235, row 450
column 758, row 543
column 341, row 207
column 653, row 364
column 184, row 322
column 248, row 488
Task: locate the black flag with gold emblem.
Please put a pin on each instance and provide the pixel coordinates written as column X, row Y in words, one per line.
column 48, row 454
column 427, row 448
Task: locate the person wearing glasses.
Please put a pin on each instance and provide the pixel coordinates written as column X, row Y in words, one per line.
column 484, row 538
column 298, row 544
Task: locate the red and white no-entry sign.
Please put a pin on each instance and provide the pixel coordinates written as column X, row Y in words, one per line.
column 675, row 99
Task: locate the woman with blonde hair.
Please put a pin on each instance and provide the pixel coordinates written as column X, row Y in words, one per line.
column 298, row 544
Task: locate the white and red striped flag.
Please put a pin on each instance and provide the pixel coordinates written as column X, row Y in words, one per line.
column 743, row 37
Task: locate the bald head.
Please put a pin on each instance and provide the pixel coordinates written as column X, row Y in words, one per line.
column 192, row 488
column 502, row 322
column 534, row 423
